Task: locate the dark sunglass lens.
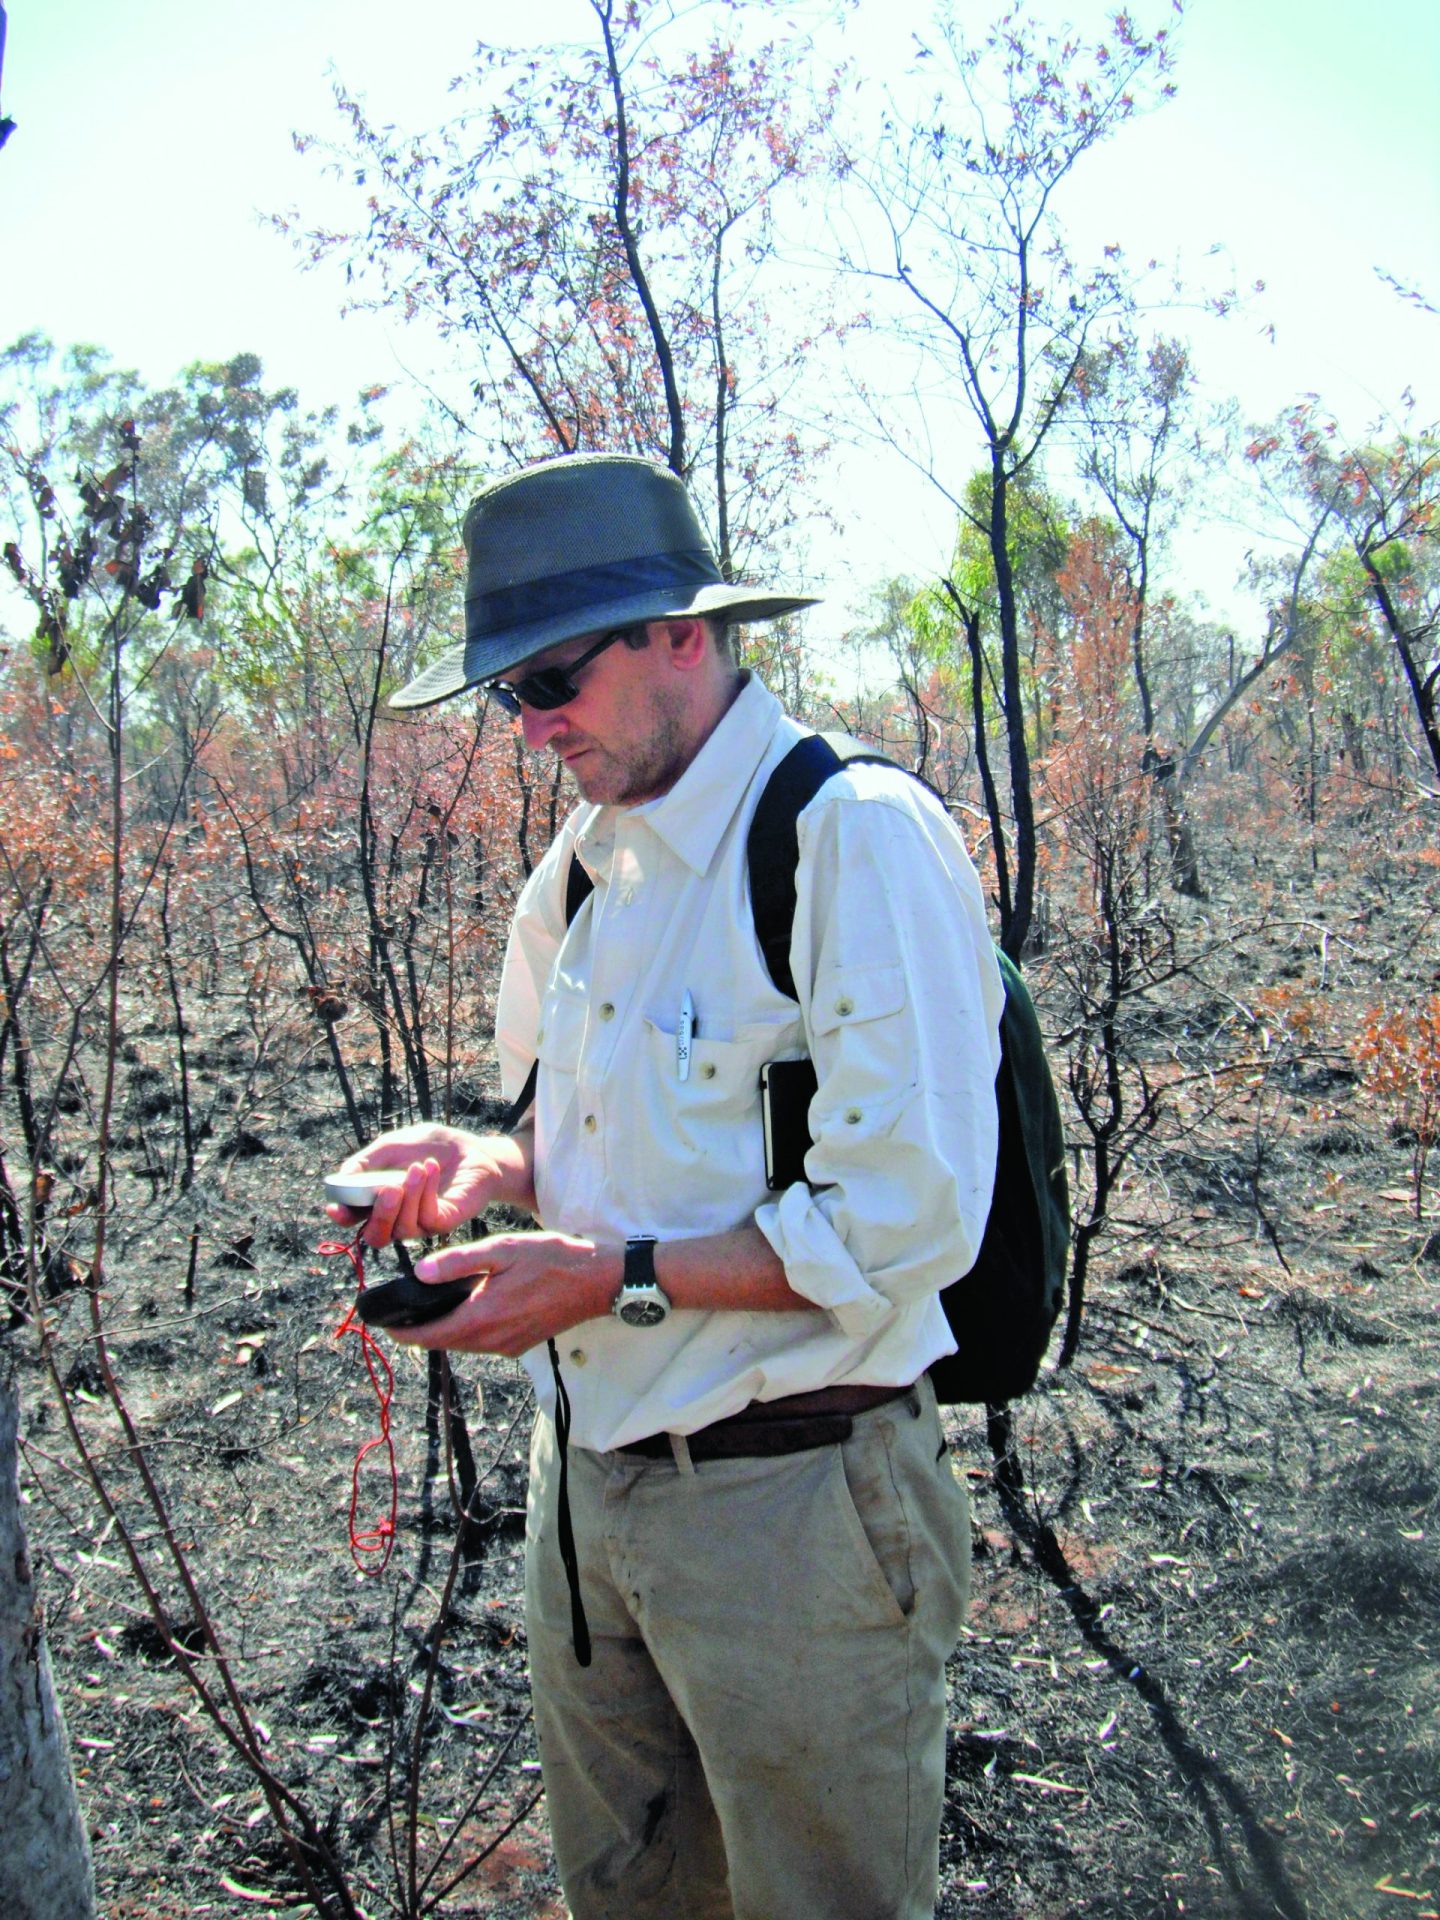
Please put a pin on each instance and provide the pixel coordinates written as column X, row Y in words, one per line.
column 546, row 689
column 549, row 687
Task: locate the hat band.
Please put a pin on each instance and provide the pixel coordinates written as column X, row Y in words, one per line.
column 561, row 593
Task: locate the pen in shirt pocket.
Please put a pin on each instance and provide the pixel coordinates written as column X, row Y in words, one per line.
column 686, row 1028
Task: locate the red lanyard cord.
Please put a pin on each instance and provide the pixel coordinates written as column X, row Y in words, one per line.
column 376, row 1542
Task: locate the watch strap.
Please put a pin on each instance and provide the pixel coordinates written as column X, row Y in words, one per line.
column 640, row 1262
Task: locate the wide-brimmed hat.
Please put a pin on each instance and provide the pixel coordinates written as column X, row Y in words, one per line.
column 575, row 546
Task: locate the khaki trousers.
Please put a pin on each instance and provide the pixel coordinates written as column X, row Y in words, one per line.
column 761, row 1735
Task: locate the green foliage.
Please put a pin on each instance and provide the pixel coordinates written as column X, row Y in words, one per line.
column 1038, row 530
column 1377, row 507
column 258, row 557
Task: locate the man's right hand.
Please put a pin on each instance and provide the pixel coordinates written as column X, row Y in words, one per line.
column 448, row 1176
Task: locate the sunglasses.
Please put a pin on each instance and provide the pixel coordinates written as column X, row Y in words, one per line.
column 549, row 687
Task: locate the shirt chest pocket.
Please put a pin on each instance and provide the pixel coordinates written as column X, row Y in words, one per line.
column 558, row 1042
column 721, row 1090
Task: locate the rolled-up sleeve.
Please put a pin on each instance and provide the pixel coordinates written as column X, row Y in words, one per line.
column 901, row 1000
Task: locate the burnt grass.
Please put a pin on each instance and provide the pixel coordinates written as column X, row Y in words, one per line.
column 1201, row 1672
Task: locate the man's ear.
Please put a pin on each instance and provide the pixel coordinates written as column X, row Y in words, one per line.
column 688, row 641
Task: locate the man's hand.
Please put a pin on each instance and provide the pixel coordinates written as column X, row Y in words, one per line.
column 444, row 1177
column 531, row 1286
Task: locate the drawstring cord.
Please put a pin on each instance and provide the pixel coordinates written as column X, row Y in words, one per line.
column 579, row 1626
column 564, row 1527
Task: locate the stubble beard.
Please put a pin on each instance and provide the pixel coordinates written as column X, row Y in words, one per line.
column 628, row 776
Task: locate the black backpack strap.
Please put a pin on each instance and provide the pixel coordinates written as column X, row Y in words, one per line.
column 772, row 847
column 520, row 1105
column 578, row 889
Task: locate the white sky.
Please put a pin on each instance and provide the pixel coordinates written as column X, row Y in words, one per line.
column 152, row 136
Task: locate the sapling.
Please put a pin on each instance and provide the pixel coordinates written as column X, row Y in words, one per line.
column 1399, row 1054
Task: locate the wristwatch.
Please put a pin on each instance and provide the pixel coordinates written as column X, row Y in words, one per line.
column 640, row 1301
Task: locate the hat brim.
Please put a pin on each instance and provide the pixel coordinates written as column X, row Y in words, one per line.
column 472, row 662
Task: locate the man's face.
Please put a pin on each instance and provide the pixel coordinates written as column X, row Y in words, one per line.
column 623, row 737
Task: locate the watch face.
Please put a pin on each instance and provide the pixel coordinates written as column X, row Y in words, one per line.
column 641, row 1313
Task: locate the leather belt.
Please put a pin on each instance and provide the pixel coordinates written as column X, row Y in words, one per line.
column 796, row 1424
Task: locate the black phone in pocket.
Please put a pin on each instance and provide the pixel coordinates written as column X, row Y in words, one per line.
column 786, row 1089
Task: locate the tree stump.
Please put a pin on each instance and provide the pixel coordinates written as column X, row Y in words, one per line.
column 45, row 1871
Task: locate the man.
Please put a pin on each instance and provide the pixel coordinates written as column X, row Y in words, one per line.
column 772, row 1545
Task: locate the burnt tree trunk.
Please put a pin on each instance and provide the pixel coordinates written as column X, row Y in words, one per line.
column 970, row 622
column 45, row 1862
column 1015, row 926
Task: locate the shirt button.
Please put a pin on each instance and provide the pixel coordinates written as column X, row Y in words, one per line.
column 539, row 1035
column 607, row 1010
column 844, row 1006
column 627, row 896
column 852, row 1116
column 707, row 1071
column 579, row 1356
column 591, row 1122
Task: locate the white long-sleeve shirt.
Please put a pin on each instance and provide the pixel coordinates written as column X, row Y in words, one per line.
column 899, row 1007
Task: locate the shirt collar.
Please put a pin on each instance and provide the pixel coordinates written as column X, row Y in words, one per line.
column 691, row 819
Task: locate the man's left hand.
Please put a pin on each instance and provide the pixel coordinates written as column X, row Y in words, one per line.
column 530, row 1287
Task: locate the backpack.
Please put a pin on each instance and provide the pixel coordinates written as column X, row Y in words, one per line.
column 1003, row 1310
